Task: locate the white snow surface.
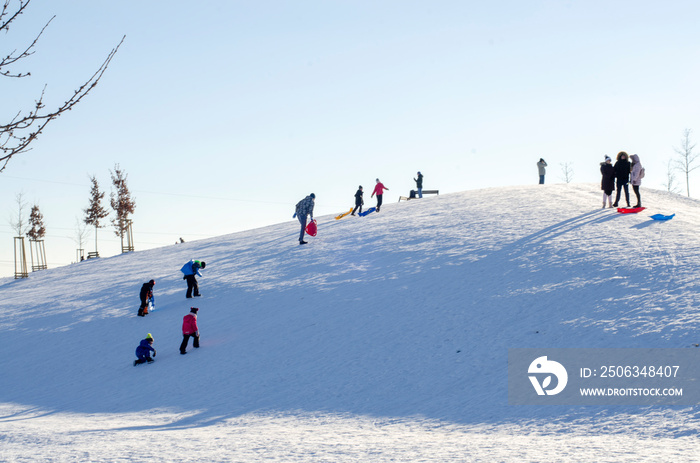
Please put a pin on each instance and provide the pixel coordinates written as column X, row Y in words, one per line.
column 383, row 339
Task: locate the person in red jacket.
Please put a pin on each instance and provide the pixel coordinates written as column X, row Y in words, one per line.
column 379, row 191
column 189, row 328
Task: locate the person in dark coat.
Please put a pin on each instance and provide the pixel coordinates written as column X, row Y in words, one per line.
column 607, row 183
column 622, row 176
column 145, row 294
column 419, row 184
column 358, row 200
column 144, row 350
column 304, row 208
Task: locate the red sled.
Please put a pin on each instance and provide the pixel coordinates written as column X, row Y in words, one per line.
column 312, row 228
column 630, row 210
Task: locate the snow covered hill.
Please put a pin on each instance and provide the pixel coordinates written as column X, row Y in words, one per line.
column 384, row 337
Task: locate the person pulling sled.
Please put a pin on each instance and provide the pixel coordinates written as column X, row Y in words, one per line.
column 303, row 208
column 358, row 200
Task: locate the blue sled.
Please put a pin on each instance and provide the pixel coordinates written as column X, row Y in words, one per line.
column 662, row 217
column 368, row 211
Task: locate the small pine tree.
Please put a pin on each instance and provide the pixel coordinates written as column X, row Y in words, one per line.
column 95, row 212
column 121, row 201
column 36, row 221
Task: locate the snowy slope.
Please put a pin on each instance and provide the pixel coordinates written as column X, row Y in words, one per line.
column 384, row 337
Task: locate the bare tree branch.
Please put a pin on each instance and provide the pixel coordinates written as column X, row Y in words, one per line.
column 5, row 23
column 17, row 135
column 14, row 57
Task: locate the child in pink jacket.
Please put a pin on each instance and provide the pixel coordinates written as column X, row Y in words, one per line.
column 189, row 328
column 379, row 191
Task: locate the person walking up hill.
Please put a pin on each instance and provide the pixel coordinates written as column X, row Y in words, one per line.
column 190, row 329
column 304, row 208
column 358, row 200
column 145, row 294
column 190, row 269
column 379, row 191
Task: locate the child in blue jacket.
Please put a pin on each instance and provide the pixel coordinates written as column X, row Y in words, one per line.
column 144, row 349
column 190, row 269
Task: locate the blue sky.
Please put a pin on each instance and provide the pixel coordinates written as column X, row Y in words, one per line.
column 225, row 114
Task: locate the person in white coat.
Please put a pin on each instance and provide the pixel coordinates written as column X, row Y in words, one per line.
column 636, row 176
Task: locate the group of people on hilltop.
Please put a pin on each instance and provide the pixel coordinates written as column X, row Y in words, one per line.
column 189, row 322
column 614, row 177
column 619, row 176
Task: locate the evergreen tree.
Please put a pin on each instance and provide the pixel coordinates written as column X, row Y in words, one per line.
column 95, row 212
column 36, row 221
column 121, row 201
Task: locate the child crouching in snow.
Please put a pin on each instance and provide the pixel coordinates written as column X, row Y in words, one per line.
column 144, row 349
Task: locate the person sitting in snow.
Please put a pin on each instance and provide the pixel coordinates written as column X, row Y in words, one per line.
column 303, row 208
column 190, row 269
column 189, row 328
column 146, row 294
column 144, row 349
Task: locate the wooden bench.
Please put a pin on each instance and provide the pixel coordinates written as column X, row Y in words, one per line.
column 92, row 255
column 425, row 192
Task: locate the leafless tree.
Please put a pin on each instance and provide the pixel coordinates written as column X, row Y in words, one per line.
column 80, row 235
column 17, row 135
column 18, row 220
column 36, row 221
column 95, row 212
column 567, row 171
column 121, row 201
column 686, row 158
column 670, row 183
